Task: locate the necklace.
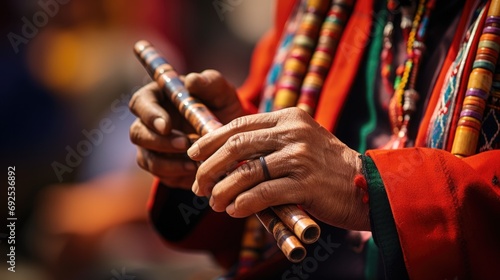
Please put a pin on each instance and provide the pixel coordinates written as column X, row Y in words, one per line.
column 321, row 61
column 311, row 54
column 295, row 65
column 404, row 100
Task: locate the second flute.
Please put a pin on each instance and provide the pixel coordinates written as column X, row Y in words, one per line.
column 281, row 220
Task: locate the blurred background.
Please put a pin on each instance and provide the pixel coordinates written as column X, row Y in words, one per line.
column 67, row 73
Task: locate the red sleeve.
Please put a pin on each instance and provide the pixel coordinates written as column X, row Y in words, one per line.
column 446, row 211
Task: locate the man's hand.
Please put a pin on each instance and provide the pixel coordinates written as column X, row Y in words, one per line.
column 308, row 165
column 161, row 133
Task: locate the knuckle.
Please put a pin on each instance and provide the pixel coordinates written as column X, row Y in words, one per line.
column 134, row 132
column 154, row 165
column 132, row 104
column 238, row 123
column 151, row 163
column 204, row 176
column 293, row 112
column 247, row 172
column 265, row 193
column 302, row 150
column 140, row 159
column 297, row 156
column 298, row 115
column 218, row 195
column 235, row 143
column 242, row 203
column 216, row 75
column 200, row 175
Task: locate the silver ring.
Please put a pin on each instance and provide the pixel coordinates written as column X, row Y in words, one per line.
column 263, row 163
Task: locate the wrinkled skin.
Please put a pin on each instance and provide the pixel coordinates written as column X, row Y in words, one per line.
column 308, row 165
column 161, row 134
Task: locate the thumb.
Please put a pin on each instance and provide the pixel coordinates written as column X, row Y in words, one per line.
column 212, row 89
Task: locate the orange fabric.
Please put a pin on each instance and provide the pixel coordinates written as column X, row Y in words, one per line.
column 450, row 57
column 446, row 211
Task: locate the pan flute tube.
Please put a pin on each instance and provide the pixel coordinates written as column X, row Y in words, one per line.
column 305, row 228
column 286, row 240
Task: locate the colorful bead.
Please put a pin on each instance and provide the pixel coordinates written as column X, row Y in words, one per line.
column 486, row 64
column 479, row 85
column 494, row 10
column 490, row 45
column 480, row 78
column 296, row 64
column 322, row 58
column 491, row 20
column 404, row 100
column 492, row 30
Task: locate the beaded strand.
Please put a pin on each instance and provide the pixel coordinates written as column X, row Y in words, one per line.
column 403, row 103
column 489, row 138
column 269, row 89
column 329, row 36
column 295, row 65
column 479, row 85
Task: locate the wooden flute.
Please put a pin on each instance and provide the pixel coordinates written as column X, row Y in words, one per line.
column 279, row 220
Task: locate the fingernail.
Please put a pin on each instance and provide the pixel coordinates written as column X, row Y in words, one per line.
column 190, row 166
column 179, row 143
column 230, row 209
column 194, row 151
column 211, row 202
column 195, row 188
column 160, row 125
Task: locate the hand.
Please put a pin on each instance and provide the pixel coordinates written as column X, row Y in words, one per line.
column 308, row 165
column 161, row 133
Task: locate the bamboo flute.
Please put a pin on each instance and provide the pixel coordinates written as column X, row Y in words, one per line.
column 281, row 219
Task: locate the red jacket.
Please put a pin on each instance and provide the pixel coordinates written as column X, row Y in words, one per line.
column 445, row 210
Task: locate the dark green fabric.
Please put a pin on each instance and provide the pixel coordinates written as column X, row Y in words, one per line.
column 383, row 226
column 372, row 66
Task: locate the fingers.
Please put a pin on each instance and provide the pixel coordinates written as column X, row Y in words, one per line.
column 146, row 105
column 216, row 93
column 238, row 148
column 165, row 166
column 210, row 87
column 244, row 177
column 208, row 144
column 269, row 193
column 141, row 135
